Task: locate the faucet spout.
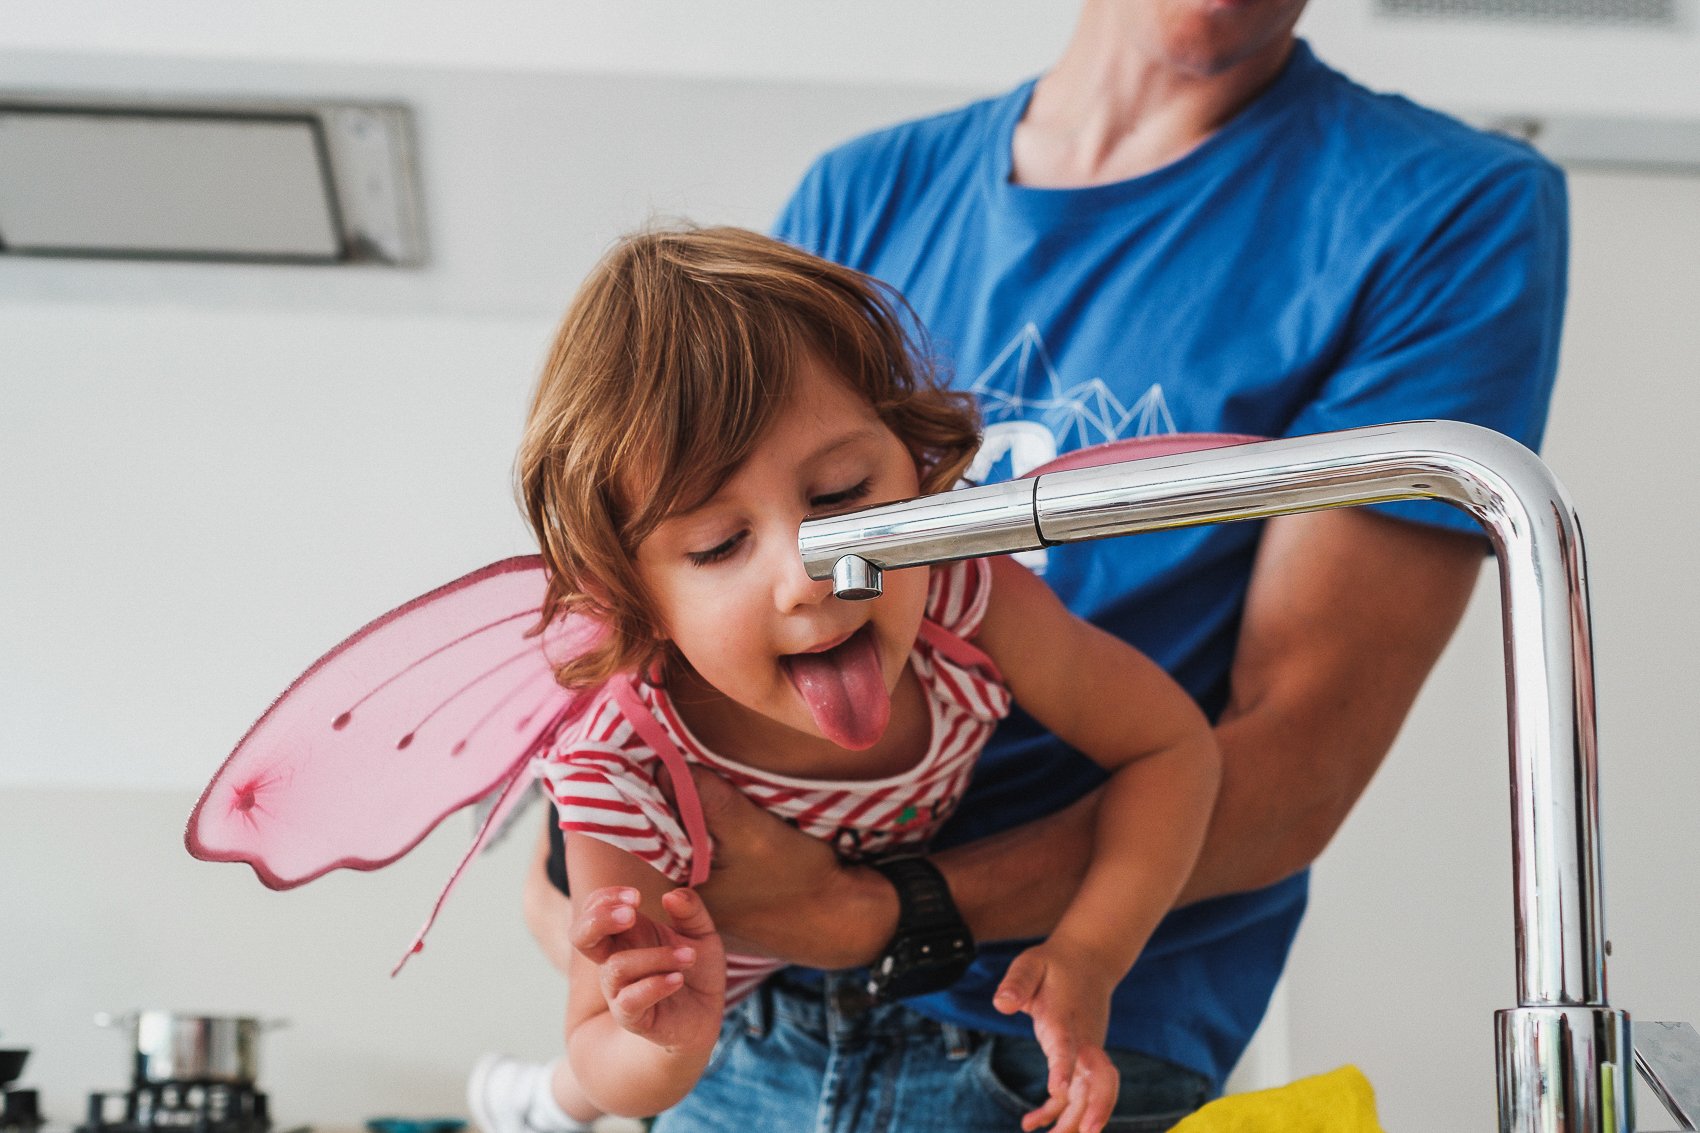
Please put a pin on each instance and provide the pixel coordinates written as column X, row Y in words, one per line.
column 1560, row 935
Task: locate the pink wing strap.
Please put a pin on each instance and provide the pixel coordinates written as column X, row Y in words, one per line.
column 958, row 649
column 685, row 797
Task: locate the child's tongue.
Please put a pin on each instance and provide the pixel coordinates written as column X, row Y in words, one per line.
column 845, row 690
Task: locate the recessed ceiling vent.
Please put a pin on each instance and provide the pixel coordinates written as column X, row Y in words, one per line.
column 1628, row 13
column 281, row 183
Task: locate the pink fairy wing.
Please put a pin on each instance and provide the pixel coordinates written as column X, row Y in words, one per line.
column 1138, row 448
column 425, row 710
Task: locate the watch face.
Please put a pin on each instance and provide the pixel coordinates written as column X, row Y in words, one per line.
column 921, row 963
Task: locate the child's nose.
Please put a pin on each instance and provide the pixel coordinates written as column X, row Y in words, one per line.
column 795, row 588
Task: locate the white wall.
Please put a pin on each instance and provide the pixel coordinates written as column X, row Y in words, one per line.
column 210, row 473
column 1492, row 64
column 217, row 471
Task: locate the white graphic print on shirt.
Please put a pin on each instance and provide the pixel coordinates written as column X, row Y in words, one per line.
column 1032, row 418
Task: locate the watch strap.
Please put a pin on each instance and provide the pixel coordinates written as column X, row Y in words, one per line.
column 923, row 896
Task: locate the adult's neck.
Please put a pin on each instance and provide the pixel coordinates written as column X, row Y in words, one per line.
column 1123, row 101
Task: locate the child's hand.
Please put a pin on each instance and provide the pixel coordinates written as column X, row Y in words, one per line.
column 1067, row 992
column 664, row 983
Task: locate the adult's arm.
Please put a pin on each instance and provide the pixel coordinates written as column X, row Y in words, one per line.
column 1346, row 614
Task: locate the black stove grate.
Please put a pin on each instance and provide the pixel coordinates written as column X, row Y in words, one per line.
column 180, row 1107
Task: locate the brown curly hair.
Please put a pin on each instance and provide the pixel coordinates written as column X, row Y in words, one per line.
column 670, row 364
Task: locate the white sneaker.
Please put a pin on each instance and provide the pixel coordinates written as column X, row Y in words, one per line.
column 507, row 1095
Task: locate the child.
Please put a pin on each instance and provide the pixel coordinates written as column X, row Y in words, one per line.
column 707, row 391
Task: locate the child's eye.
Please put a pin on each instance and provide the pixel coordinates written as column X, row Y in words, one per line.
column 848, row 495
column 715, row 553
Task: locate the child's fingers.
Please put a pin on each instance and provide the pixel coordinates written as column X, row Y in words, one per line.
column 690, row 915
column 1085, row 1100
column 1045, row 1114
column 1060, row 1055
column 602, row 915
column 634, row 1007
column 638, row 964
column 1020, row 984
column 1099, row 1083
column 1069, row 1120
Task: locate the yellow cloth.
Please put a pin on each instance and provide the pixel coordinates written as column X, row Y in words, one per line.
column 1339, row 1101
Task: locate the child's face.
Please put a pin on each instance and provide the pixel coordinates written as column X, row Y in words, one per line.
column 732, row 596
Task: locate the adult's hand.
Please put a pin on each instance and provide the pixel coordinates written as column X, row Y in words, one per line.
column 778, row 891
column 775, row 890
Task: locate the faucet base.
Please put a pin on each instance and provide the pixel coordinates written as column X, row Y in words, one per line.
column 1565, row 1070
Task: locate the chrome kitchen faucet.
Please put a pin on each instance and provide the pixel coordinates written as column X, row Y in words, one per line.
column 1563, row 1053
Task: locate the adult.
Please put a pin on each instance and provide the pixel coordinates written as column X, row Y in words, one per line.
column 1192, row 224
column 1189, row 224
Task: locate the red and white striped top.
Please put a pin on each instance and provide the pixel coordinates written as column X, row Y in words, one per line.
column 603, row 776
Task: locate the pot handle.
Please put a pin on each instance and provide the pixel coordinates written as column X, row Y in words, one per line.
column 108, row 1019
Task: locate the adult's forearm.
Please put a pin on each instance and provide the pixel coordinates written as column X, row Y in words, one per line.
column 777, row 892
column 1346, row 615
column 1015, row 885
column 1279, row 804
column 1009, row 886
column 1265, row 827
column 1274, row 814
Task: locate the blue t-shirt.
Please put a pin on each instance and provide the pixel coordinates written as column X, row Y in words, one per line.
column 1330, row 258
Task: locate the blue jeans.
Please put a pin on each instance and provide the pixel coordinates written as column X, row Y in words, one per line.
column 802, row 1058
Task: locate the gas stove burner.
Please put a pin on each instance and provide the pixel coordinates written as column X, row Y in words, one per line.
column 183, row 1107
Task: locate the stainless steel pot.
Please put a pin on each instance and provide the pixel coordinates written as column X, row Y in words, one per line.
column 170, row 1046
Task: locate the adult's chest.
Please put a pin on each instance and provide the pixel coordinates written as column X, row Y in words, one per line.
column 1177, row 320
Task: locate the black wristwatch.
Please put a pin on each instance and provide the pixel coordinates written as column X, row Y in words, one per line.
column 932, row 946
